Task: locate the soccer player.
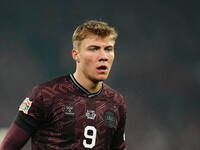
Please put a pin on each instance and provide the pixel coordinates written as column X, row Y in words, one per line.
column 77, row 111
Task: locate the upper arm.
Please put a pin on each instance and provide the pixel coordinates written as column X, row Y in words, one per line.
column 15, row 138
column 30, row 113
column 28, row 120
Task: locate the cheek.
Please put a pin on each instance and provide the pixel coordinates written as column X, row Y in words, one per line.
column 87, row 61
column 112, row 56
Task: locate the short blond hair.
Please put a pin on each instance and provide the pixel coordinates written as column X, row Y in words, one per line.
column 92, row 27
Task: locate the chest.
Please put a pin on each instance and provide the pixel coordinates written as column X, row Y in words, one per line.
column 67, row 113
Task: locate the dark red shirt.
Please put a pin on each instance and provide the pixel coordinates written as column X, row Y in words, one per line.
column 62, row 115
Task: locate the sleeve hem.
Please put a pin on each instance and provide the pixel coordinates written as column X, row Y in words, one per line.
column 26, row 122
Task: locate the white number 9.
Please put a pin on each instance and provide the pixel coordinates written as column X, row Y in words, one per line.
column 88, row 136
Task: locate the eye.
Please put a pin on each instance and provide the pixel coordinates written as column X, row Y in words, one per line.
column 110, row 48
column 93, row 48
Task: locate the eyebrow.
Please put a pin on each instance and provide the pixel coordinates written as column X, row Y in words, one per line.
column 93, row 46
column 109, row 46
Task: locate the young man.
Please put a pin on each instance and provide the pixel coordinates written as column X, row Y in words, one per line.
column 77, row 111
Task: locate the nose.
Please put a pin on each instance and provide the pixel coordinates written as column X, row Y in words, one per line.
column 103, row 56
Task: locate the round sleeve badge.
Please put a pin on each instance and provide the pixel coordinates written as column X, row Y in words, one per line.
column 109, row 118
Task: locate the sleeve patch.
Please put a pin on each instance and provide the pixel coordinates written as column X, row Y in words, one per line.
column 25, row 106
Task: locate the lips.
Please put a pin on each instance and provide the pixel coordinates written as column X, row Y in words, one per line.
column 102, row 67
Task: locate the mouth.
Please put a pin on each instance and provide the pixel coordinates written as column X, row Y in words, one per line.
column 102, row 68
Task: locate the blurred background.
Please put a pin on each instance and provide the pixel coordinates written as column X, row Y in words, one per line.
column 156, row 68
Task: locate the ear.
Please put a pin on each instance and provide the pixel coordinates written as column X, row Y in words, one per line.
column 75, row 56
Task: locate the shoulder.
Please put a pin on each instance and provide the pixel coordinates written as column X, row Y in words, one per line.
column 113, row 94
column 116, row 99
column 54, row 82
column 49, row 88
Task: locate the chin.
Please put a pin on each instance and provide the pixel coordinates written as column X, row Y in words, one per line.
column 102, row 77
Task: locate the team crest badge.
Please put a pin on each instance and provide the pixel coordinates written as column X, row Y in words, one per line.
column 25, row 106
column 90, row 114
column 109, row 118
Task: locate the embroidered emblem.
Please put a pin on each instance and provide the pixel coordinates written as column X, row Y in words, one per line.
column 25, row 106
column 90, row 114
column 109, row 118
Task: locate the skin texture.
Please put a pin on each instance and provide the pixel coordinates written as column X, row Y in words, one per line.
column 94, row 51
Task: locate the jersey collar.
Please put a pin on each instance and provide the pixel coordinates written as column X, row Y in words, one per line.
column 90, row 95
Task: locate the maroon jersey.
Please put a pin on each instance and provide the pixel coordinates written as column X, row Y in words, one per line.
column 62, row 115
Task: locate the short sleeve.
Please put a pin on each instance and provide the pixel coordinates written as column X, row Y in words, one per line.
column 30, row 112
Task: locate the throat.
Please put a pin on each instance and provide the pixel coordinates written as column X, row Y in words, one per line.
column 90, row 85
column 95, row 88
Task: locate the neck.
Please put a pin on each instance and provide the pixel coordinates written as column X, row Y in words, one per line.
column 88, row 84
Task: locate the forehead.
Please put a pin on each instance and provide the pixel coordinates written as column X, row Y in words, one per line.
column 97, row 41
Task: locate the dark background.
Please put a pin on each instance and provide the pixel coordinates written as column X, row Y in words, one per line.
column 156, row 68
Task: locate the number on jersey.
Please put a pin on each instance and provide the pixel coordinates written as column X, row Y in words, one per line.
column 90, row 134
